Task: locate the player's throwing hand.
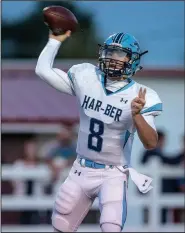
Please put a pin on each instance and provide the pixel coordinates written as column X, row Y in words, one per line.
column 139, row 102
column 62, row 37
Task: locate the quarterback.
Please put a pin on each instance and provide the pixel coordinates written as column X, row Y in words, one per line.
column 112, row 108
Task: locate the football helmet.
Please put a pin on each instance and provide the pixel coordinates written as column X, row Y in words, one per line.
column 119, row 56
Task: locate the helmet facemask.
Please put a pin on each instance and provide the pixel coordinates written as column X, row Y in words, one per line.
column 116, row 62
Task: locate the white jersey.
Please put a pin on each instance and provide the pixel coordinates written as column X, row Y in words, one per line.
column 106, row 129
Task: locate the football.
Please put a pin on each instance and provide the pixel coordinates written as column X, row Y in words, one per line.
column 59, row 19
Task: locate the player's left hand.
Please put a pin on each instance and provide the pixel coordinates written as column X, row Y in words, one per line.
column 139, row 102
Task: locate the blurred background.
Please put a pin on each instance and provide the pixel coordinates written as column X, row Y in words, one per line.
column 40, row 125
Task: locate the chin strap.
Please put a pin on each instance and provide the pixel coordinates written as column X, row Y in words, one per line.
column 141, row 67
column 141, row 54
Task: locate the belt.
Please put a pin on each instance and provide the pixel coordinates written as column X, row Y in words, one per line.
column 142, row 181
column 92, row 164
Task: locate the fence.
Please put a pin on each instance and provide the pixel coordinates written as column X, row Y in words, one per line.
column 155, row 200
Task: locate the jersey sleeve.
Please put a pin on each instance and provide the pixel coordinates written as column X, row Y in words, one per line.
column 150, row 119
column 53, row 76
column 72, row 73
column 153, row 105
column 77, row 70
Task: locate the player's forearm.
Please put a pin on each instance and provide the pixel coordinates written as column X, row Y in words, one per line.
column 147, row 134
column 47, row 57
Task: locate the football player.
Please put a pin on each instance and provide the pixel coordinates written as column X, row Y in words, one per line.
column 112, row 107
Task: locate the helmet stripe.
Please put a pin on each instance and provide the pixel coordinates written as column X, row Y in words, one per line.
column 118, row 38
column 115, row 37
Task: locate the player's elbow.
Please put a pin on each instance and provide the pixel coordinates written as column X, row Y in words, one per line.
column 151, row 140
column 150, row 145
column 38, row 70
column 41, row 72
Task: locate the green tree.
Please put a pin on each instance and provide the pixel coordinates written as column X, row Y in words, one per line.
column 30, row 35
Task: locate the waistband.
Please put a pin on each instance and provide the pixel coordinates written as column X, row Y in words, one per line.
column 92, row 164
column 142, row 181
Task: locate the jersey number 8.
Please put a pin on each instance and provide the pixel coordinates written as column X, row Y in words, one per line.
column 95, row 134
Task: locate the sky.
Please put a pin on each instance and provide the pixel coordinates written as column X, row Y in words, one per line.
column 159, row 26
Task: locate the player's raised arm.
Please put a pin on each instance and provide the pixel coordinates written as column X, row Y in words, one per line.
column 44, row 68
column 145, row 129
